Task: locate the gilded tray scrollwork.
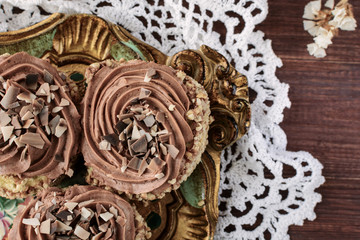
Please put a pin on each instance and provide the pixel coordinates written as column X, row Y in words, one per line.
column 72, row 42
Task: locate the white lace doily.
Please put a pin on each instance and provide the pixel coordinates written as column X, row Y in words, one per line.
column 256, row 199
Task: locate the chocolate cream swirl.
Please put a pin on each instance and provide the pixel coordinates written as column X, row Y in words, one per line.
column 80, row 212
column 39, row 122
column 136, row 130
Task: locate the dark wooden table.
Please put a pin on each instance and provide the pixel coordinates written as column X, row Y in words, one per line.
column 324, row 118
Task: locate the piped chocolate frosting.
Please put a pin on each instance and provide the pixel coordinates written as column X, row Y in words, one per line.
column 79, row 212
column 136, row 129
column 39, row 123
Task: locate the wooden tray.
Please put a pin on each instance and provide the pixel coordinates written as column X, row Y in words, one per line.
column 72, row 42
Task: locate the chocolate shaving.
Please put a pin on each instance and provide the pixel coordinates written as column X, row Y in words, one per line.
column 38, row 105
column 28, row 97
column 32, row 139
column 65, row 88
column 153, row 130
column 149, row 121
column 24, row 110
column 173, row 151
column 63, row 76
column 44, row 90
column 127, row 120
column 38, row 204
column 86, row 213
column 160, row 117
column 31, row 81
column 104, row 145
column 134, row 163
column 48, row 215
column 27, row 116
column 10, row 96
column 76, row 219
column 153, row 150
column 53, row 123
column 148, row 137
column 5, row 119
column 31, row 221
column 69, row 205
column 144, row 93
column 100, row 208
column 125, row 116
column 112, row 138
column 122, row 137
column 56, row 109
column 163, row 149
column 140, row 146
column 17, row 142
column 28, row 123
column 146, row 157
column 140, row 117
column 14, row 105
column 47, row 129
column 104, row 227
column 48, row 77
column 114, row 211
column 128, row 129
column 11, row 112
column 6, row 132
column 164, row 138
column 60, row 128
column 156, row 164
column 142, row 168
column 119, row 127
column 129, row 143
column 81, row 233
column 106, row 216
column 137, row 109
column 54, row 88
column 162, row 132
column 45, row 226
column 44, row 116
column 64, row 102
column 135, row 133
column 60, row 226
column 152, row 73
column 63, row 215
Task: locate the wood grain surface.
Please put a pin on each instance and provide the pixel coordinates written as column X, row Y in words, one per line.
column 324, row 118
